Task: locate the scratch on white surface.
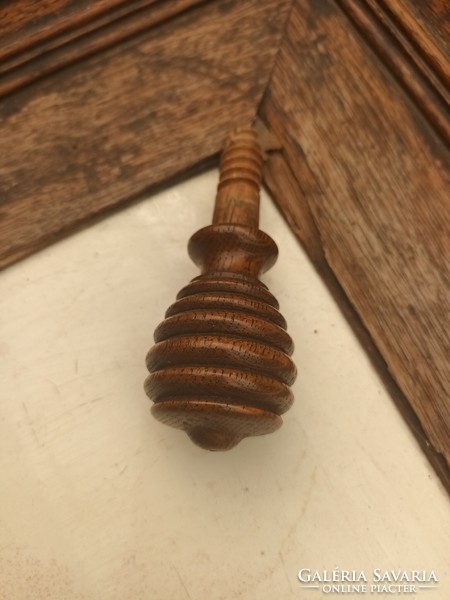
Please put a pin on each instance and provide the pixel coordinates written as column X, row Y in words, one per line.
column 368, row 454
column 306, row 499
column 74, row 298
column 31, row 424
column 55, row 386
column 122, row 471
column 285, row 572
column 181, row 581
column 307, row 496
column 73, row 408
column 92, row 401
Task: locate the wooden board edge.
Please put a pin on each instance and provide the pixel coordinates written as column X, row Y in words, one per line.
column 183, row 174
column 86, row 39
column 164, row 136
column 426, row 87
column 286, row 192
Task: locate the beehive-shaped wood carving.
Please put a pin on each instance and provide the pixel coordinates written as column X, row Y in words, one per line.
column 221, row 366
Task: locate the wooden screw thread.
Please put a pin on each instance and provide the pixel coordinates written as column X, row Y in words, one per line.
column 221, row 367
column 237, row 199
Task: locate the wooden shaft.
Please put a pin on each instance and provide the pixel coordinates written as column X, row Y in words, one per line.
column 237, row 199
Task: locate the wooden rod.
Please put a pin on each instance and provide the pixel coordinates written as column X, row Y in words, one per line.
column 237, row 199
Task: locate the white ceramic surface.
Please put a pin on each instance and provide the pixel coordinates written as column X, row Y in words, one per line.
column 99, row 501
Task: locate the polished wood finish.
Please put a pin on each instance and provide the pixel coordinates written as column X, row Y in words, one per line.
column 220, row 368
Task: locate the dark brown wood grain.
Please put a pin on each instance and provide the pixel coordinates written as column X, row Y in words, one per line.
column 221, row 368
column 25, row 24
column 288, row 191
column 376, row 181
column 107, row 128
column 421, row 32
column 87, row 38
column 427, row 24
column 425, row 80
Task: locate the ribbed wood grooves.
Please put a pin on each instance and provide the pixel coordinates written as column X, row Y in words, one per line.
column 221, row 366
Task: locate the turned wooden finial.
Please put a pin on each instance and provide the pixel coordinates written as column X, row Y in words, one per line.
column 220, row 368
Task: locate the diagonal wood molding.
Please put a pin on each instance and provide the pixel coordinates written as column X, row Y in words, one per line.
column 102, row 101
column 366, row 164
column 417, row 59
column 63, row 46
column 288, row 191
column 105, row 129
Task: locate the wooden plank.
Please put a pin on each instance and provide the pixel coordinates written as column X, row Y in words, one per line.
column 422, row 29
column 376, row 180
column 428, row 26
column 420, row 70
column 62, row 48
column 108, row 128
column 26, row 23
column 290, row 194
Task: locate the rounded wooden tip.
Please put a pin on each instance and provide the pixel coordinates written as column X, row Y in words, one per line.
column 213, row 439
column 214, row 425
